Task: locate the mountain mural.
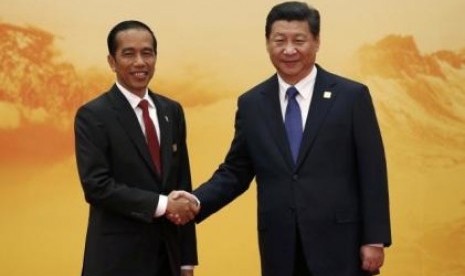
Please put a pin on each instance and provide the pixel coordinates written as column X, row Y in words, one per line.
column 419, row 97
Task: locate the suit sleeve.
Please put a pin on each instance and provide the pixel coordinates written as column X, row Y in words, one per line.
column 372, row 172
column 93, row 161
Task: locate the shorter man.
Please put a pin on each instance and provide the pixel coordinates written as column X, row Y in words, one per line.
column 131, row 152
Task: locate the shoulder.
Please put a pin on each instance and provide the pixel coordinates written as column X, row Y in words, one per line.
column 267, row 86
column 345, row 87
column 168, row 106
column 338, row 80
column 94, row 112
column 99, row 103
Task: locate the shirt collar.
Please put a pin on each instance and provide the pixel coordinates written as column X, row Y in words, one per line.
column 132, row 98
column 302, row 86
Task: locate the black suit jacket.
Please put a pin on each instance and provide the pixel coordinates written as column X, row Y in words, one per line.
column 336, row 195
column 122, row 187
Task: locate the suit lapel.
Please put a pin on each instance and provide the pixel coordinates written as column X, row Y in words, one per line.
column 319, row 107
column 128, row 120
column 165, row 122
column 272, row 109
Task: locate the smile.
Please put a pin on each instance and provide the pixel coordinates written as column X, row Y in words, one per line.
column 140, row 74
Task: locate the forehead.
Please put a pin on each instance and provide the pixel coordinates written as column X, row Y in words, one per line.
column 134, row 38
column 294, row 27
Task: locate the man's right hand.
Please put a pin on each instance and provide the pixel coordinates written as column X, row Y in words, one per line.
column 182, row 207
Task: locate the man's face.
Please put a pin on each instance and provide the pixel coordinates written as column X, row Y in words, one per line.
column 292, row 49
column 134, row 60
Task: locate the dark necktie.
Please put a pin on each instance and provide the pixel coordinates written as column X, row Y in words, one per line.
column 151, row 135
column 293, row 122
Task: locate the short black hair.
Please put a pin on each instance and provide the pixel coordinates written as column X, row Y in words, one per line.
column 123, row 26
column 294, row 10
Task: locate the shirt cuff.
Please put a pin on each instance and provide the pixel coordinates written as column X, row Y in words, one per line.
column 161, row 207
column 197, row 201
column 376, row 244
column 187, row 267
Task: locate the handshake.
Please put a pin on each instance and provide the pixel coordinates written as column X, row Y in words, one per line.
column 182, row 207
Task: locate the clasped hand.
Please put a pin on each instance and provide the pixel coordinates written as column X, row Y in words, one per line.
column 182, row 207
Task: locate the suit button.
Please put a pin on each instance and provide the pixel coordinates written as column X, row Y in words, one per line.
column 295, row 177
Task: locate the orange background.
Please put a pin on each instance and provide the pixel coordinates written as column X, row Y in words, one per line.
column 53, row 58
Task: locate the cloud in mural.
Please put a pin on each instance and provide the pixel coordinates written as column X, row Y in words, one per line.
column 195, row 87
column 34, row 79
column 38, row 96
column 9, row 116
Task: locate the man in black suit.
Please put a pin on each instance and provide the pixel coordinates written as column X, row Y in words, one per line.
column 312, row 141
column 131, row 153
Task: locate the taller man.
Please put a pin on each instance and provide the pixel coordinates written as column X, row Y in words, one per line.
column 312, row 141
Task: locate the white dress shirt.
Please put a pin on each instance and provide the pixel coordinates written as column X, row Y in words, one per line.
column 304, row 98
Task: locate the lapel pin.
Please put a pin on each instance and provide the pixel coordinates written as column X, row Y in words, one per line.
column 175, row 147
column 166, row 119
column 327, row 95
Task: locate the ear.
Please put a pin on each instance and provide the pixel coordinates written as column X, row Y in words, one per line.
column 111, row 62
column 267, row 44
column 317, row 43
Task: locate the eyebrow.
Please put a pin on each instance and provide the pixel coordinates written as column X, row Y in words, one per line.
column 134, row 49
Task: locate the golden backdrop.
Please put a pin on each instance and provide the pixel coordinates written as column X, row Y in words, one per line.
column 53, row 58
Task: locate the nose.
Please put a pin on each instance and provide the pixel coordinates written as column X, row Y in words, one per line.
column 289, row 49
column 139, row 59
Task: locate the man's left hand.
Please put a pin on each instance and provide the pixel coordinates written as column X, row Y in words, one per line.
column 372, row 258
column 187, row 272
